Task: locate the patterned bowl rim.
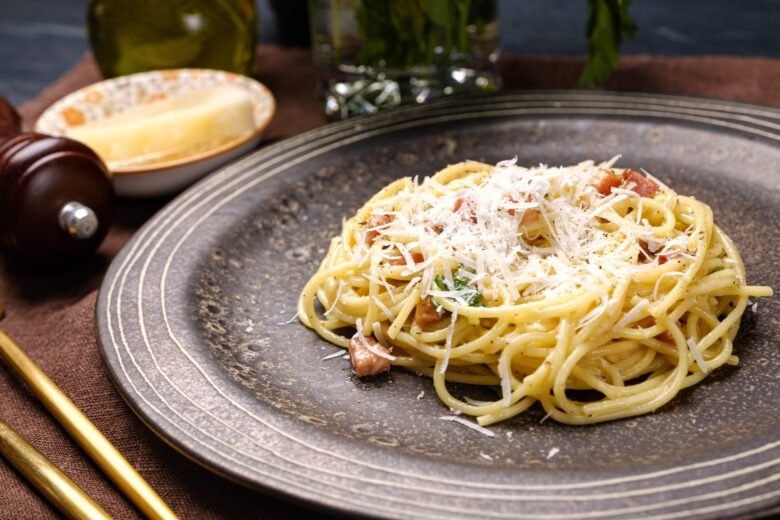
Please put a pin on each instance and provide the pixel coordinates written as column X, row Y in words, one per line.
column 42, row 124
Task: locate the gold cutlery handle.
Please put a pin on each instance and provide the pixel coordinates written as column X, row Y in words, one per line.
column 85, row 433
column 53, row 483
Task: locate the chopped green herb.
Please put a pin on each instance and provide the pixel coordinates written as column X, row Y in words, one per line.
column 460, row 282
column 441, row 283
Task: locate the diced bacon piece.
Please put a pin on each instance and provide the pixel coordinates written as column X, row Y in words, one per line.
column 529, row 214
column 647, row 322
column 417, row 257
column 664, row 336
column 374, row 222
column 647, row 255
column 642, row 186
column 366, row 362
column 665, row 257
column 469, row 212
column 425, row 313
column 606, row 181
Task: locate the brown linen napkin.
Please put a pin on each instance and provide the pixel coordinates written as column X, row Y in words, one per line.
column 51, row 314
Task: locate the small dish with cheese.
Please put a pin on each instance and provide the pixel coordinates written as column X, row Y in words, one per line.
column 160, row 131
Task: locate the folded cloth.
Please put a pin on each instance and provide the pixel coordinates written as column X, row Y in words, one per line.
column 51, row 314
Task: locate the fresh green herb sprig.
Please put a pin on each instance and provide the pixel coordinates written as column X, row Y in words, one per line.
column 459, row 282
column 609, row 23
column 401, row 34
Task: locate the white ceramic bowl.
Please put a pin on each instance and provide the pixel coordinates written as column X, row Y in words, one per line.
column 112, row 96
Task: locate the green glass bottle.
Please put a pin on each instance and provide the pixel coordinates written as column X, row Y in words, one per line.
column 129, row 36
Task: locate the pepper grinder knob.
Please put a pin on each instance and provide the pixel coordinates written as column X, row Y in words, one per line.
column 78, row 220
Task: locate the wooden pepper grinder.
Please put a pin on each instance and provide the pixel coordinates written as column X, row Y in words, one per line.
column 55, row 195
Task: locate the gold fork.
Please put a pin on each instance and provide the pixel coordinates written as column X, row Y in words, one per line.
column 44, row 475
column 84, row 432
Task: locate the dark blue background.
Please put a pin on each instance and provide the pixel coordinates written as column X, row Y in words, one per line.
column 41, row 39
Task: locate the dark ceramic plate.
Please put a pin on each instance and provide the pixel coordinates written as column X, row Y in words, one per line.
column 196, row 324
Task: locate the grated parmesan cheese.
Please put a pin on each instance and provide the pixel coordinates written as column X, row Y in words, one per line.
column 653, row 178
column 371, row 348
column 387, row 312
column 482, row 235
column 468, row 424
column 291, row 320
column 448, row 342
column 632, row 315
column 475, row 402
column 335, row 299
column 340, row 353
column 694, row 348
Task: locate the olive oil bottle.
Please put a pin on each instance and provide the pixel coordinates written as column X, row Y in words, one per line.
column 130, row 36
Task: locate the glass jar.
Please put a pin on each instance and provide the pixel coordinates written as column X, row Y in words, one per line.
column 129, row 36
column 382, row 53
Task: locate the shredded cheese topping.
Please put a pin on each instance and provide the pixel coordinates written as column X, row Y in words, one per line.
column 567, row 246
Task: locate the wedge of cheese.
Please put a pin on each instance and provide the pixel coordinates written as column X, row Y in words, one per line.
column 170, row 129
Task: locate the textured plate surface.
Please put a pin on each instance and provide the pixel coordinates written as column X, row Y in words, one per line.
column 195, row 322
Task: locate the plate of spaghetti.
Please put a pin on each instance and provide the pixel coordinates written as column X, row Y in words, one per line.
column 524, row 305
column 540, row 281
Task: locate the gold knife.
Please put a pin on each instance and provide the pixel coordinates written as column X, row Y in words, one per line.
column 86, row 434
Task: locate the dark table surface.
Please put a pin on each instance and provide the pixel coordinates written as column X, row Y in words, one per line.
column 41, row 39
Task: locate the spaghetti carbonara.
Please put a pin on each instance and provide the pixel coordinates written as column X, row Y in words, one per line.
column 597, row 291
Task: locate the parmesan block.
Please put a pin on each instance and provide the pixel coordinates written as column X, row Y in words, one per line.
column 169, row 129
